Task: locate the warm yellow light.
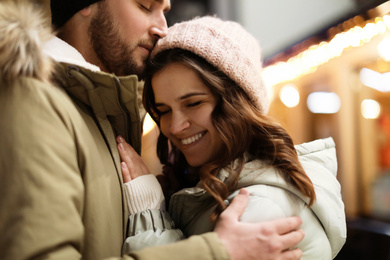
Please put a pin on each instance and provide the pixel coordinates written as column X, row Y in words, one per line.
column 375, row 80
column 323, row 102
column 386, row 20
column 384, row 49
column 289, row 95
column 370, row 109
column 308, row 61
column 149, row 124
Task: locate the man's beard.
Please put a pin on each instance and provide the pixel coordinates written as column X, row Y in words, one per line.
column 111, row 50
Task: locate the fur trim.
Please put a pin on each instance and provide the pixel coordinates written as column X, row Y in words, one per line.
column 23, row 32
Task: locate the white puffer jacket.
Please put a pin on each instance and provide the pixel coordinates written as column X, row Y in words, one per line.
column 271, row 198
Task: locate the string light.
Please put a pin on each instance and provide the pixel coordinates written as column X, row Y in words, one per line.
column 370, row 109
column 323, row 102
column 308, row 61
column 289, row 95
column 375, row 80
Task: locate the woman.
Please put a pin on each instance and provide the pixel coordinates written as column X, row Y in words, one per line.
column 204, row 90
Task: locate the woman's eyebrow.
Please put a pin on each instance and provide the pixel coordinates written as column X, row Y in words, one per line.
column 192, row 95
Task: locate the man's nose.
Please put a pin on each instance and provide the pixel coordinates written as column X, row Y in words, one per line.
column 159, row 28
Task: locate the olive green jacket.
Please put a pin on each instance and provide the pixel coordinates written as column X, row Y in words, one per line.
column 61, row 190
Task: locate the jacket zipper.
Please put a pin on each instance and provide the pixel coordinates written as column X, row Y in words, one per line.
column 126, row 115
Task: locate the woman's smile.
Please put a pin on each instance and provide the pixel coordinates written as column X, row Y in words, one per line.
column 192, row 139
column 185, row 105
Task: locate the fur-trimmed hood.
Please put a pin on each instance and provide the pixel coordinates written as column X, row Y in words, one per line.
column 23, row 32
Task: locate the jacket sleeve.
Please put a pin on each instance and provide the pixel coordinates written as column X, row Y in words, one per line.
column 205, row 247
column 42, row 191
column 144, row 193
column 264, row 207
column 41, row 188
column 319, row 160
column 151, row 227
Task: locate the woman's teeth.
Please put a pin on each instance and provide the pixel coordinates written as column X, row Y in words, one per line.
column 191, row 139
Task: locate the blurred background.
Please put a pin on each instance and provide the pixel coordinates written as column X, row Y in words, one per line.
column 326, row 65
column 327, row 69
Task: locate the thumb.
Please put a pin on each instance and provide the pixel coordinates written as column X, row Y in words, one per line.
column 238, row 205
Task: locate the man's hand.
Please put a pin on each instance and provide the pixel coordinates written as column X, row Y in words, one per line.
column 261, row 241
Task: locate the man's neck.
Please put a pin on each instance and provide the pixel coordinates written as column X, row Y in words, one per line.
column 75, row 33
column 61, row 51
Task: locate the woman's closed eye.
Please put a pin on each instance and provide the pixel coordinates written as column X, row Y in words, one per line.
column 194, row 104
column 162, row 112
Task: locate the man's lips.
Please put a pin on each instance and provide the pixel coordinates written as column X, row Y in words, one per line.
column 147, row 47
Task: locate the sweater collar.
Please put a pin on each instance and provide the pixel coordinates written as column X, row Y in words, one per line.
column 63, row 52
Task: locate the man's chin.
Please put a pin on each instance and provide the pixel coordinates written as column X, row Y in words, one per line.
column 140, row 71
column 132, row 69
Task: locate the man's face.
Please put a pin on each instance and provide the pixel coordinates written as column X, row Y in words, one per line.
column 123, row 33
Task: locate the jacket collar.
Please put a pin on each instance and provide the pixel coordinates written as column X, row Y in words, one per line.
column 63, row 52
column 114, row 92
column 81, row 77
column 114, row 102
column 109, row 96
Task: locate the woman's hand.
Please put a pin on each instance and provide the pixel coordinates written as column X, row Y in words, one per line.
column 132, row 164
column 143, row 193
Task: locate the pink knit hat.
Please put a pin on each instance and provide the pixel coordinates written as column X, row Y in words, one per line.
column 227, row 46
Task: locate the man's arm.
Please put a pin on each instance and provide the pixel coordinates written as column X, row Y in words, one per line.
column 41, row 189
column 235, row 240
column 266, row 240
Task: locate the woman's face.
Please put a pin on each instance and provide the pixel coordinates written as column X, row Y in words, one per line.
column 185, row 105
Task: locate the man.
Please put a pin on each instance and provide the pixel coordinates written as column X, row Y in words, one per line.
column 62, row 192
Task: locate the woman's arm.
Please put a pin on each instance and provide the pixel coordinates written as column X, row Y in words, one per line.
column 150, row 224
column 267, row 240
column 142, row 189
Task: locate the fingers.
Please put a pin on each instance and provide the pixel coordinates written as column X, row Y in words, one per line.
column 287, row 230
column 285, row 225
column 135, row 165
column 125, row 154
column 291, row 239
column 238, row 205
column 293, row 254
column 125, row 172
column 259, row 241
column 262, row 240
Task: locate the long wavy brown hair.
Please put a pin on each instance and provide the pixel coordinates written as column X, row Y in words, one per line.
column 242, row 126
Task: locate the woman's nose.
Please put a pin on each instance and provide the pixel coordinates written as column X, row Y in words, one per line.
column 179, row 123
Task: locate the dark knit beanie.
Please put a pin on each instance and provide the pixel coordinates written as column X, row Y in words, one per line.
column 63, row 10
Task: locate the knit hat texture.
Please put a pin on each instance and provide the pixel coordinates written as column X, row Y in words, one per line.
column 63, row 10
column 227, row 46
